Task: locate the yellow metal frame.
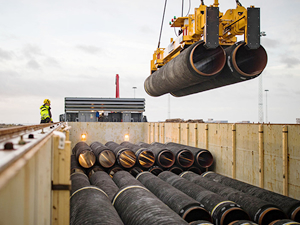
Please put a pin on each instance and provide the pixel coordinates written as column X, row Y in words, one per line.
column 231, row 24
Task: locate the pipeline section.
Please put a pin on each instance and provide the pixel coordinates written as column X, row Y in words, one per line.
column 183, row 157
column 91, row 205
column 125, row 157
column 203, row 157
column 193, row 65
column 260, row 211
column 163, row 156
column 284, row 222
column 242, row 64
column 289, row 205
column 144, row 157
column 78, row 180
column 189, row 209
column 104, row 156
column 75, row 166
column 221, row 210
column 84, row 154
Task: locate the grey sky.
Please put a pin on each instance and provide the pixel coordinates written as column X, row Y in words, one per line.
column 54, row 49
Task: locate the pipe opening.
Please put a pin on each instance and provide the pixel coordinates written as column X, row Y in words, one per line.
column 155, row 170
column 196, row 213
column 296, row 215
column 114, row 170
column 146, row 159
column 271, row 214
column 249, row 62
column 207, row 62
column 87, row 159
column 127, row 159
column 233, row 214
column 176, row 170
column 195, row 170
column 166, row 158
column 185, row 158
column 204, row 159
column 107, row 158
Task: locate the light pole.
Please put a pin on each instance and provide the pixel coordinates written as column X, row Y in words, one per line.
column 266, row 105
column 134, row 91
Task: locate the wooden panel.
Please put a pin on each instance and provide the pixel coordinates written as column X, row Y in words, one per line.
column 161, row 132
column 201, row 135
column 184, row 131
column 172, row 132
column 273, row 158
column 192, row 134
column 294, row 161
column 247, row 155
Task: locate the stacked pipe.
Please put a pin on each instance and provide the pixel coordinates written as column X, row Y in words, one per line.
column 84, row 154
column 289, row 205
column 260, row 211
column 137, row 205
column 221, row 210
column 198, row 69
column 104, row 156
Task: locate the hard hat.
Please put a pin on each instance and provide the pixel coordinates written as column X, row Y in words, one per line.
column 46, row 101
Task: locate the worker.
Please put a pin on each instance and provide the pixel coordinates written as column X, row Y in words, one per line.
column 46, row 116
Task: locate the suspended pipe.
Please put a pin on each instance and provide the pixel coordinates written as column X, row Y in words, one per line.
column 103, row 181
column 136, row 205
column 84, row 154
column 75, row 166
column 189, row 209
column 260, row 211
column 104, row 156
column 78, row 181
column 125, row 157
column 203, row 157
column 135, row 171
column 175, row 169
column 221, row 210
column 183, row 157
column 91, row 205
column 155, row 170
column 284, row 222
column 111, row 172
column 289, row 205
column 124, row 178
column 242, row 64
column 163, row 156
column 144, row 157
column 193, row 65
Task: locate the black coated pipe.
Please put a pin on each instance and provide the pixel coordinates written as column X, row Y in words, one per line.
column 144, row 157
column 125, row 157
column 189, row 209
column 124, row 178
column 78, row 181
column 195, row 169
column 260, row 211
column 284, row 222
column 91, row 205
column 243, row 222
column 183, row 157
column 242, row 64
column 221, row 210
column 84, row 154
column 136, row 205
column 175, row 169
column 75, row 166
column 104, row 156
column 163, row 156
column 193, row 65
column 112, row 171
column 289, row 205
column 200, row 222
column 203, row 157
column 103, row 181
column 155, row 170
column 135, row 171
column 93, row 169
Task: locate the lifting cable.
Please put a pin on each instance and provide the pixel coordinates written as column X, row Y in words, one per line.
column 238, row 3
column 162, row 22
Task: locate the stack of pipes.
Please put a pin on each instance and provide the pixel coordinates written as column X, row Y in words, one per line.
column 135, row 194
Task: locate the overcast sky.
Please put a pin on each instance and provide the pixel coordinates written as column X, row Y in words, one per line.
column 74, row 48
